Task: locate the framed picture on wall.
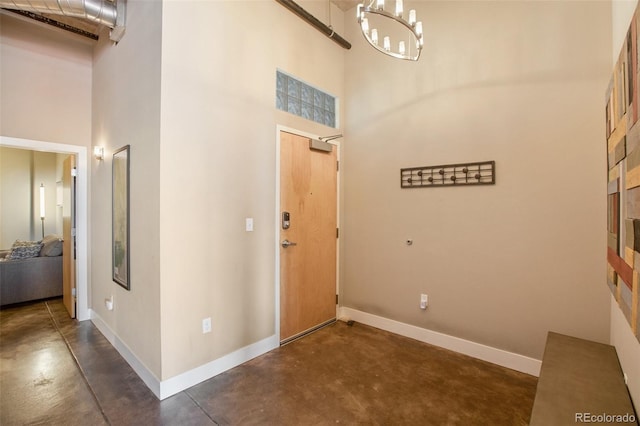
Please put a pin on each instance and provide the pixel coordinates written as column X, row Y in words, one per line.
column 120, row 218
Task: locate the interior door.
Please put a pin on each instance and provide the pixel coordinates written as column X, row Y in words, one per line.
column 308, row 236
column 68, row 234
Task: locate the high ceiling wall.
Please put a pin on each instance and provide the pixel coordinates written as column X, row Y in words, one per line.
column 520, row 83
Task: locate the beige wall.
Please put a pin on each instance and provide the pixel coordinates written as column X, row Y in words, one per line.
column 622, row 337
column 45, row 105
column 45, row 94
column 520, row 83
column 126, row 111
column 218, row 161
column 21, row 173
column 15, row 196
column 45, row 83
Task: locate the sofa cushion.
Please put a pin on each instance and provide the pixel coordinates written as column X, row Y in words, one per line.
column 51, row 246
column 24, row 280
column 24, row 250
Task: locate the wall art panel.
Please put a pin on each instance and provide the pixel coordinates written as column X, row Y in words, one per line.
column 623, row 162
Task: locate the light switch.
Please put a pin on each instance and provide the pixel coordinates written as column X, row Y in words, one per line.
column 248, row 224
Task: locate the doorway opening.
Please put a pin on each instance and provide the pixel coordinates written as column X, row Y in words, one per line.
column 82, row 219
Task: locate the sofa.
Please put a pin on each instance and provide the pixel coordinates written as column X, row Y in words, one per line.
column 31, row 270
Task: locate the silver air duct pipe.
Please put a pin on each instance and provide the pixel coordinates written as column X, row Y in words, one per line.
column 103, row 12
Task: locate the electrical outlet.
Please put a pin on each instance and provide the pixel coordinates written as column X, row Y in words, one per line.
column 248, row 224
column 424, row 301
column 109, row 303
column 206, row 325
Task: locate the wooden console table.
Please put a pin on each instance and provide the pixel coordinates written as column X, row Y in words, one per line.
column 580, row 382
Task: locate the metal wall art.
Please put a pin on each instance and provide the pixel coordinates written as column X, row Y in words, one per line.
column 482, row 173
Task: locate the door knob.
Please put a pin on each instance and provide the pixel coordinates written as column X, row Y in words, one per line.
column 287, row 243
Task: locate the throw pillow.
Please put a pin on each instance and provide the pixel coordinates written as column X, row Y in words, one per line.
column 51, row 246
column 24, row 252
column 23, row 243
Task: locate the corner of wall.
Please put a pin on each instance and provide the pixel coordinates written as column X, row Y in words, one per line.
column 141, row 370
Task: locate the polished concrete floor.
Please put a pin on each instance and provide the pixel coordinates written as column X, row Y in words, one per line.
column 57, row 371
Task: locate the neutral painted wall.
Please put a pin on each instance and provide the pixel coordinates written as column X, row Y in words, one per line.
column 21, row 173
column 126, row 111
column 15, row 196
column 45, row 94
column 45, row 83
column 218, row 162
column 622, row 337
column 520, row 83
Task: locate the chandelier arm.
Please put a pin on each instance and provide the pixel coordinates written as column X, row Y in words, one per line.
column 384, row 13
column 374, row 10
column 394, row 54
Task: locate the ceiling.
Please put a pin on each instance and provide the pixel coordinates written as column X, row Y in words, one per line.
column 91, row 30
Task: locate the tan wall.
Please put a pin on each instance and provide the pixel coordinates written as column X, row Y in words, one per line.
column 15, row 196
column 520, row 83
column 622, row 337
column 218, row 161
column 45, row 83
column 45, row 94
column 126, row 110
column 21, row 173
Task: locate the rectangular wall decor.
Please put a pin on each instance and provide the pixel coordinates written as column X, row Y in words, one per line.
column 623, row 178
column 482, row 173
column 120, row 217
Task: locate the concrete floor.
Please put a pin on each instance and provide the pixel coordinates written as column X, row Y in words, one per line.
column 58, row 371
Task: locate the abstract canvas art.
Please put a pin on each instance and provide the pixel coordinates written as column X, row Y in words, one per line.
column 623, row 189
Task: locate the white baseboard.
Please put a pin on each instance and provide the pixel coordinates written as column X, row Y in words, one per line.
column 176, row 384
column 476, row 350
column 141, row 370
column 199, row 374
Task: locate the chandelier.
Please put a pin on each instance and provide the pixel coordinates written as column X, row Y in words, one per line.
column 377, row 23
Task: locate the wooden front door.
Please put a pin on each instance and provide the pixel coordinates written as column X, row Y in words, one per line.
column 68, row 234
column 308, row 203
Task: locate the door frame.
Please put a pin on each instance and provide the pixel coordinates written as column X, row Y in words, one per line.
column 82, row 202
column 281, row 128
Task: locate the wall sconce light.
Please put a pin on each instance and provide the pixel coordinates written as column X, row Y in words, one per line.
column 98, row 152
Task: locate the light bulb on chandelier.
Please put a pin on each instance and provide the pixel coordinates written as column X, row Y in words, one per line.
column 412, row 27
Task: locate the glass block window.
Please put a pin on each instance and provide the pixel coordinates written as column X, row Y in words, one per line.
column 296, row 97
